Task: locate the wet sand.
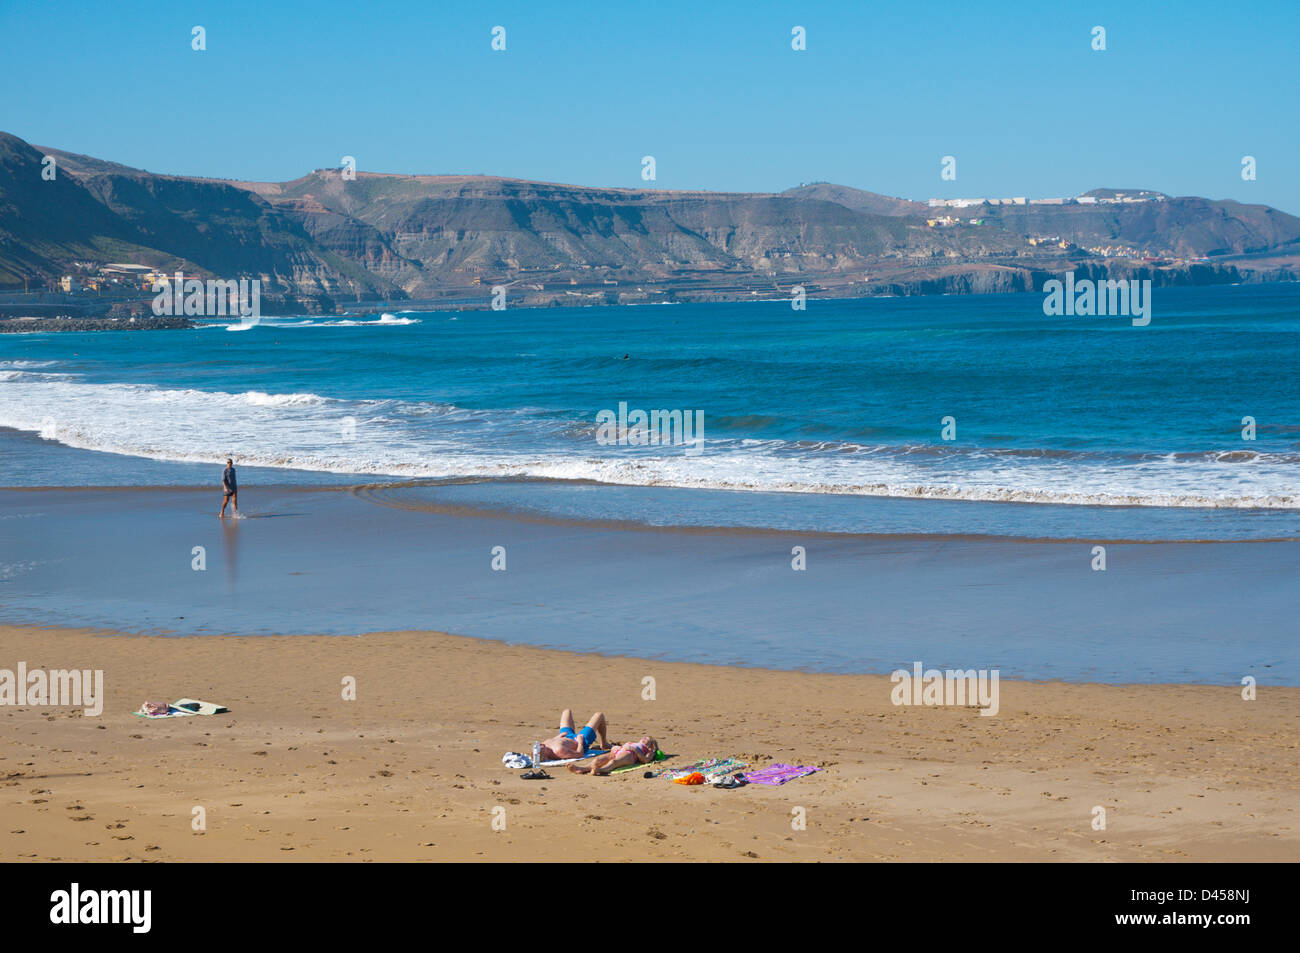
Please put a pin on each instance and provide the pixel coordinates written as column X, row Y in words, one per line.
column 339, row 561
column 411, row 769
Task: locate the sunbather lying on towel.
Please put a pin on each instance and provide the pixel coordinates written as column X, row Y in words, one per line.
column 634, row 752
column 574, row 744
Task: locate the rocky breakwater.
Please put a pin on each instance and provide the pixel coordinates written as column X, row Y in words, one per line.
column 45, row 325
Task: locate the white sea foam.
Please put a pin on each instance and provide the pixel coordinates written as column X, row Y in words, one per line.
column 428, row 439
column 258, row 399
column 271, row 323
column 386, row 320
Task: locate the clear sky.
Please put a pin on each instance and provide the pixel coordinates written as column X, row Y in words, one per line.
column 712, row 90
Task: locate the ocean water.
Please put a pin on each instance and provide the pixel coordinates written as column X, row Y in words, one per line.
column 382, row 460
column 843, row 401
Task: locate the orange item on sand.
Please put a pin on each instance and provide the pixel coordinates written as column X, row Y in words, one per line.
column 695, row 778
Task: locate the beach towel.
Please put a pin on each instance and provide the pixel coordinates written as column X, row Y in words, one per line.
column 777, row 774
column 589, row 754
column 197, row 707
column 515, row 760
column 181, row 708
column 715, row 767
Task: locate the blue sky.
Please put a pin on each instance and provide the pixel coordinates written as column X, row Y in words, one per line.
column 712, row 90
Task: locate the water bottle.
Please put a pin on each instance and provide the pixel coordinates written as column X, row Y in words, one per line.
column 537, row 753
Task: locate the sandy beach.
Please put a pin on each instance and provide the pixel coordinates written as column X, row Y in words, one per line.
column 411, row 770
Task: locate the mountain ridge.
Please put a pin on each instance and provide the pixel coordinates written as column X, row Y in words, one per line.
column 324, row 240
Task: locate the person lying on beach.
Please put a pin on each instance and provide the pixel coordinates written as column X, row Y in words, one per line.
column 575, row 744
column 634, row 752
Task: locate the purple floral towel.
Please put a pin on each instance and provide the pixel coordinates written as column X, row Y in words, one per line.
column 779, row 773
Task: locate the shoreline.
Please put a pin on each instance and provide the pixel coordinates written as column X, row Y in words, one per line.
column 117, row 633
column 366, row 487
column 411, row 769
column 1015, row 277
column 588, row 502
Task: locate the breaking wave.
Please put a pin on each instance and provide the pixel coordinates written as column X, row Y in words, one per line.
column 405, row 439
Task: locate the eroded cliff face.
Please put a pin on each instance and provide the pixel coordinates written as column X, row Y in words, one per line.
column 432, row 234
column 101, row 212
column 328, row 239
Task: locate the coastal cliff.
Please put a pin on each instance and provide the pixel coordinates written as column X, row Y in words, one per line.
column 324, row 242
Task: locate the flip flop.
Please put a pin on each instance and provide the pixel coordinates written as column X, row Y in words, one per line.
column 538, row 775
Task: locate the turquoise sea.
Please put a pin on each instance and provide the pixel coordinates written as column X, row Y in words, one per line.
column 803, row 412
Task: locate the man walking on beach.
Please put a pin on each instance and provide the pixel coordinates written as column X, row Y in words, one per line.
column 231, row 489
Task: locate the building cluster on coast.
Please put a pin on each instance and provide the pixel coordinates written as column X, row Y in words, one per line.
column 1118, row 198
column 110, row 277
column 89, row 290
